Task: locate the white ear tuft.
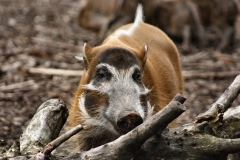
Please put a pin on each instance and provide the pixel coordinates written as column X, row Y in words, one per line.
column 84, row 48
column 87, row 55
column 146, row 48
column 79, row 57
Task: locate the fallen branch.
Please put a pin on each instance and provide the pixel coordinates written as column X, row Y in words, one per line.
column 186, row 74
column 55, row 143
column 26, row 84
column 187, row 142
column 44, row 126
column 204, row 75
column 222, row 104
column 52, row 71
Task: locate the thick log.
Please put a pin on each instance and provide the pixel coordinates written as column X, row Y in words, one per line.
column 188, row 142
column 44, row 127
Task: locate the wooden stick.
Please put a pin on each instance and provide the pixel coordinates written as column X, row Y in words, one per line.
column 55, row 143
column 196, row 74
column 186, row 74
column 52, row 71
column 222, row 104
column 30, row 83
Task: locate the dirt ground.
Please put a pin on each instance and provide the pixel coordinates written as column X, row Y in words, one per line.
column 45, row 34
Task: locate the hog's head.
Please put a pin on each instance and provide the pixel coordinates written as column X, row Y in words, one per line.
column 115, row 99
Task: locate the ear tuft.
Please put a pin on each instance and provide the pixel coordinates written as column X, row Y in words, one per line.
column 79, row 57
column 146, row 48
column 87, row 55
column 86, row 49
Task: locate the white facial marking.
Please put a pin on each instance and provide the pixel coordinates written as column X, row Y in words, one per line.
column 90, row 87
column 82, row 106
column 150, row 110
column 94, row 121
column 122, row 88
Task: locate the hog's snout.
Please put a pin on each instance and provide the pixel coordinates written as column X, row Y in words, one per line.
column 128, row 122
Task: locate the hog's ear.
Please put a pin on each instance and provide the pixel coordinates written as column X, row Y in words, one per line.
column 87, row 55
column 143, row 57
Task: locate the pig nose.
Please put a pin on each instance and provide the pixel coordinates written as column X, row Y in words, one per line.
column 128, row 122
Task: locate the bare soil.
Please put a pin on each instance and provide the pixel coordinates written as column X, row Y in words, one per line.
column 45, row 34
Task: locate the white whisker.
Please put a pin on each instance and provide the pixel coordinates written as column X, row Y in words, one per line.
column 89, row 87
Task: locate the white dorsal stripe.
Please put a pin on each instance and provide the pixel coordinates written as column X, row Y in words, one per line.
column 138, row 20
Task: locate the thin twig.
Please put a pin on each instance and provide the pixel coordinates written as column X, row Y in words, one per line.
column 30, row 83
column 52, row 71
column 186, row 74
column 222, row 104
column 196, row 74
column 55, row 143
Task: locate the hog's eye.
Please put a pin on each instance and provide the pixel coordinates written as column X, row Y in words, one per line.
column 103, row 74
column 137, row 76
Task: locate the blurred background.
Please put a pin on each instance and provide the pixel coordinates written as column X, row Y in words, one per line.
column 50, row 33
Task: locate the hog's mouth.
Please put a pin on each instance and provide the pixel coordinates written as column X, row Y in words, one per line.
column 129, row 122
column 99, row 132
